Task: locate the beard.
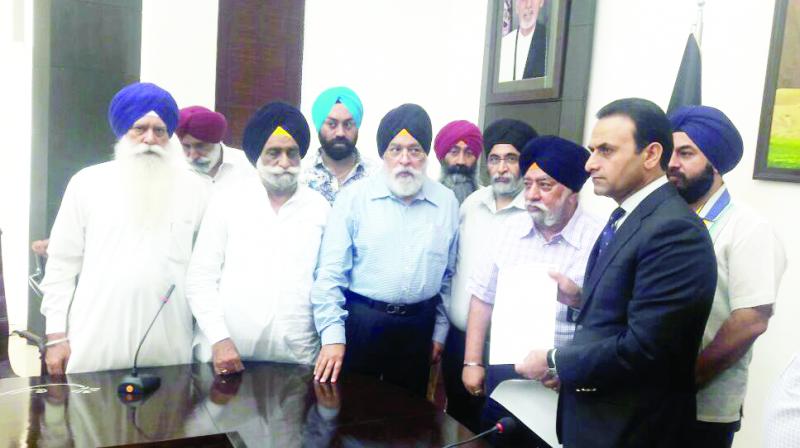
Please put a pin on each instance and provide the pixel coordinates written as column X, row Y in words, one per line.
column 691, row 190
column 204, row 164
column 544, row 216
column 459, row 178
column 405, row 182
column 506, row 185
column 337, row 148
column 148, row 174
column 278, row 180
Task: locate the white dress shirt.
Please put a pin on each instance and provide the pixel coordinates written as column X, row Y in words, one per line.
column 782, row 411
column 234, row 168
column 117, row 272
column 251, row 273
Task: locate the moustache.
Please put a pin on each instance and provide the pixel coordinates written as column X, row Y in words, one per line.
column 533, row 206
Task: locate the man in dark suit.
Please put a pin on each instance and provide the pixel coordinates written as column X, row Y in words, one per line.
column 627, row 378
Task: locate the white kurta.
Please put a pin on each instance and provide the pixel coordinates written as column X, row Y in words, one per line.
column 121, row 271
column 251, row 273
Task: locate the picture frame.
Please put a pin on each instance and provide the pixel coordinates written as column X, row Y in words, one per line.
column 525, row 65
column 778, row 145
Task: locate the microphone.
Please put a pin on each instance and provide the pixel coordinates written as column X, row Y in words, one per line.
column 135, row 387
column 504, row 425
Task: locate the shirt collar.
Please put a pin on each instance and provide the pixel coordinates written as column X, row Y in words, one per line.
column 633, row 201
column 709, row 205
column 490, row 202
column 320, row 165
column 381, row 190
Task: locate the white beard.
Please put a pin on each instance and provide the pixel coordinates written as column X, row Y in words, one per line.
column 204, row 164
column 276, row 179
column 148, row 174
column 405, row 186
column 510, row 188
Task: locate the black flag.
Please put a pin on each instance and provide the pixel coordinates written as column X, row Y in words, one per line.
column 687, row 85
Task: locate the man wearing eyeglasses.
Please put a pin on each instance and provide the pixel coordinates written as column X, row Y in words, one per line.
column 483, row 213
column 556, row 232
column 385, row 266
column 458, row 146
column 337, row 114
column 251, row 272
column 122, row 236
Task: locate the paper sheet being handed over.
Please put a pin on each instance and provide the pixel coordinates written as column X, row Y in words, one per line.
column 524, row 314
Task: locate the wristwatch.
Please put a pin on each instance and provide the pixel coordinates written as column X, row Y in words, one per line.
column 551, row 361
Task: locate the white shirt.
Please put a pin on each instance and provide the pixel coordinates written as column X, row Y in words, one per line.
column 480, row 224
column 523, row 45
column 633, row 201
column 782, row 411
column 750, row 264
column 251, row 273
column 124, row 270
column 234, row 167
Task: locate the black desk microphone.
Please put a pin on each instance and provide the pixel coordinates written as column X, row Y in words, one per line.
column 505, row 424
column 135, row 387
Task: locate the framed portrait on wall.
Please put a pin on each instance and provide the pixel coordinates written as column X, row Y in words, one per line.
column 525, row 40
column 778, row 150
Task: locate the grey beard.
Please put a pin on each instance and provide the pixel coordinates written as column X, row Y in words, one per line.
column 461, row 184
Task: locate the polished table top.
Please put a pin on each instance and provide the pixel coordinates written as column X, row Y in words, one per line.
column 268, row 405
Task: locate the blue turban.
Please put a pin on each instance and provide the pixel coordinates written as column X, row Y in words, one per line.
column 507, row 131
column 410, row 117
column 561, row 159
column 264, row 122
column 712, row 132
column 327, row 99
column 135, row 101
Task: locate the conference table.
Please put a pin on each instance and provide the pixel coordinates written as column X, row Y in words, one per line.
column 267, row 405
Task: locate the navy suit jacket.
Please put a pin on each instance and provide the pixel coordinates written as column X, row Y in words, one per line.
column 627, row 378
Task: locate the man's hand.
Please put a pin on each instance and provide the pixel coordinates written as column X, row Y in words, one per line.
column 436, row 352
column 551, row 381
column 226, row 358
column 534, row 367
column 329, row 363
column 57, row 356
column 40, row 247
column 473, row 378
column 569, row 293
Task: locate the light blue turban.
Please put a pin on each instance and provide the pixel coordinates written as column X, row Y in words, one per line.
column 135, row 101
column 327, row 99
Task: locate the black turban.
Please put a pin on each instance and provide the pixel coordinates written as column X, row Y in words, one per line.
column 410, row 117
column 509, row 131
column 264, row 123
column 561, row 159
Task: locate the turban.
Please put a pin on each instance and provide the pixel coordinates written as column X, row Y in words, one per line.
column 135, row 101
column 327, row 99
column 266, row 121
column 712, row 132
column 509, row 131
column 202, row 124
column 561, row 159
column 457, row 131
column 410, row 117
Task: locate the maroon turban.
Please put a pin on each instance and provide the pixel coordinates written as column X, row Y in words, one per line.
column 454, row 132
column 202, row 124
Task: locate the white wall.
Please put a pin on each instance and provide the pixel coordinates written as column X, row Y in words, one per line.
column 179, row 49
column 637, row 50
column 390, row 53
column 16, row 52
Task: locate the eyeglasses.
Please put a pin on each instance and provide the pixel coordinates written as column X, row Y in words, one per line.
column 414, row 152
column 510, row 159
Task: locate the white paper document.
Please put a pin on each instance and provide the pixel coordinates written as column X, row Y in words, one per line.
column 524, row 314
column 532, row 404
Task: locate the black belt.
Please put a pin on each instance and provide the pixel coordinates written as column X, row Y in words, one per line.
column 398, row 309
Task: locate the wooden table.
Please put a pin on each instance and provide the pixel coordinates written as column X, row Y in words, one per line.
column 269, row 405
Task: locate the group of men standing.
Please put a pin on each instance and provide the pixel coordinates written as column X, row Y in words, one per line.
column 352, row 267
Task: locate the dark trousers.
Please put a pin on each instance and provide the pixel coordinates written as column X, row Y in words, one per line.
column 713, row 435
column 461, row 405
column 391, row 347
column 494, row 411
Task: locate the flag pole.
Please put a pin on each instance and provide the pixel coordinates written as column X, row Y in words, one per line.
column 698, row 24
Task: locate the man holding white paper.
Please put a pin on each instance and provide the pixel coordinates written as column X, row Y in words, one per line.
column 558, row 236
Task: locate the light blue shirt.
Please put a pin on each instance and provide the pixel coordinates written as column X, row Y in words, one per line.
column 378, row 246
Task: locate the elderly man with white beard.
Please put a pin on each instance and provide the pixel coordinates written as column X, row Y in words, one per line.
column 269, row 232
column 122, row 237
column 386, row 261
column 482, row 216
column 557, row 233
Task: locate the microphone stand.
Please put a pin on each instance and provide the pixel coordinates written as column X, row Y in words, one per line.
column 135, row 387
